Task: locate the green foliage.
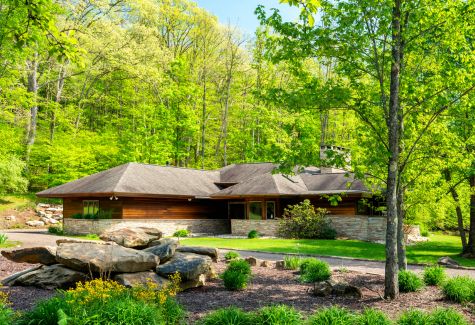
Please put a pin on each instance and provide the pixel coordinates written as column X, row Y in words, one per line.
column 11, row 175
column 302, row 221
column 447, row 316
column 228, row 316
column 460, row 289
column 314, row 270
column 231, row 255
column 409, row 281
column 372, row 317
column 278, row 315
column 181, row 233
column 292, row 262
column 253, row 234
column 56, row 230
column 434, row 275
column 332, row 316
column 413, row 317
column 237, row 275
column 6, row 313
column 3, row 239
column 46, row 312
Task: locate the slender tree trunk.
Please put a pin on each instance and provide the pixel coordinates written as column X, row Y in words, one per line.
column 458, row 210
column 203, row 121
column 470, row 248
column 391, row 288
column 401, row 238
column 57, row 99
column 32, row 122
column 225, row 121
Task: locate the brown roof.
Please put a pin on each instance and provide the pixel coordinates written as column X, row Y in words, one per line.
column 135, row 179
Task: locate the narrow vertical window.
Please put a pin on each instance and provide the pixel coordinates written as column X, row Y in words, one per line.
column 270, row 210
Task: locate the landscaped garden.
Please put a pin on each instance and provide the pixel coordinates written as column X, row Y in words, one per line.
column 439, row 245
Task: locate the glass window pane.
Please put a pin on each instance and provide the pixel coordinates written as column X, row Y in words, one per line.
column 255, row 210
column 270, row 210
column 237, row 210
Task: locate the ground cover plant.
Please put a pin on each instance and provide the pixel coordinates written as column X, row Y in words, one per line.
column 434, row 275
column 181, row 233
column 56, row 230
column 231, row 255
column 253, row 234
column 292, row 262
column 237, row 275
column 409, row 281
column 460, row 289
column 314, row 270
column 278, row 315
column 332, row 315
column 439, row 245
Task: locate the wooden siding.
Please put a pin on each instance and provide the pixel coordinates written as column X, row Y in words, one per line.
column 136, row 208
column 72, row 206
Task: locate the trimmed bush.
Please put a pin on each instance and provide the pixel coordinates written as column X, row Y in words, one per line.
column 181, row 233
column 314, row 270
column 228, row 316
column 447, row 316
column 237, row 275
column 413, row 317
column 278, row 315
column 332, row 316
column 434, row 275
column 372, row 317
column 292, row 262
column 231, row 255
column 56, row 230
column 253, row 234
column 304, row 221
column 460, row 289
column 409, row 281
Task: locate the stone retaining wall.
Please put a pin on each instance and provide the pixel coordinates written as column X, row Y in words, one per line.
column 168, row 226
column 365, row 228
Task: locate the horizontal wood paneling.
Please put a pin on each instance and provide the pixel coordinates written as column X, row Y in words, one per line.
column 73, row 206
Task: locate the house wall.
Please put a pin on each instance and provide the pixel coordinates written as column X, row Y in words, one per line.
column 73, row 206
column 203, row 226
column 358, row 227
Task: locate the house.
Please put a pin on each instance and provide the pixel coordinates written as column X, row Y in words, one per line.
column 234, row 199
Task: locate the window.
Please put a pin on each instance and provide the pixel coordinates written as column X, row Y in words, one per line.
column 255, row 210
column 90, row 207
column 270, row 210
column 237, row 210
column 363, row 207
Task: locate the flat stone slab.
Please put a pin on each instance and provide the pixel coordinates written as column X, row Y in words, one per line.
column 45, row 255
column 132, row 280
column 208, row 251
column 132, row 237
column 97, row 258
column 50, row 277
column 164, row 248
column 190, row 266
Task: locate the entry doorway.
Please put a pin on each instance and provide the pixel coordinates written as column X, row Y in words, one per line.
column 237, row 210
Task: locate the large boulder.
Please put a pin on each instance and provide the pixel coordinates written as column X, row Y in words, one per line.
column 340, row 289
column 190, row 266
column 50, row 277
column 448, row 261
column 12, row 277
column 34, row 255
column 132, row 237
column 208, row 251
column 35, row 223
column 98, row 258
column 164, row 250
column 133, row 280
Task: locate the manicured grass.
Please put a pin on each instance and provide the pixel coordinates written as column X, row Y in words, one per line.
column 429, row 252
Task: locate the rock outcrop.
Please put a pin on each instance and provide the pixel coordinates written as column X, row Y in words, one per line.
column 33, row 255
column 164, row 248
column 50, row 277
column 208, row 251
column 190, row 266
column 132, row 280
column 340, row 289
column 132, row 237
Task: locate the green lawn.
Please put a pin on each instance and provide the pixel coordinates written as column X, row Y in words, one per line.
column 9, row 244
column 439, row 245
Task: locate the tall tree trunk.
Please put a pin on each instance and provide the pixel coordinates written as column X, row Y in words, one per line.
column 458, row 210
column 57, row 99
column 391, row 288
column 470, row 248
column 401, row 240
column 32, row 88
column 225, row 121
column 203, row 121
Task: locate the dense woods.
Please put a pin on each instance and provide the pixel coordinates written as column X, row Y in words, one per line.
column 88, row 85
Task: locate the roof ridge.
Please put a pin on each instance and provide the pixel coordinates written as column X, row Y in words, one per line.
column 127, row 165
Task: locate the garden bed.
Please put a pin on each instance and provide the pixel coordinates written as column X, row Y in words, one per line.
column 269, row 286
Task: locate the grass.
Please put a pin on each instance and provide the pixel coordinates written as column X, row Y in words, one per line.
column 424, row 253
column 9, row 244
column 88, row 236
column 17, row 201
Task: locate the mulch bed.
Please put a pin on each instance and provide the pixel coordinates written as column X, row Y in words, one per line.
column 268, row 286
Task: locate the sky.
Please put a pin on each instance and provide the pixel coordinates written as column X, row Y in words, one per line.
column 241, row 12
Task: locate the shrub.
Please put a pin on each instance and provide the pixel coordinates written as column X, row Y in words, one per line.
column 228, row 316
column 278, row 315
column 447, row 316
column 231, row 255
column 46, row 312
column 409, row 281
column 303, row 221
column 237, row 275
column 6, row 314
column 460, row 289
column 413, row 317
column 372, row 317
column 313, row 270
column 181, row 233
column 3, row 238
column 292, row 262
column 253, row 234
column 434, row 275
column 56, row 230
column 332, row 316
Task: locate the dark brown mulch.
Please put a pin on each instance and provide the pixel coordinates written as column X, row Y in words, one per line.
column 268, row 286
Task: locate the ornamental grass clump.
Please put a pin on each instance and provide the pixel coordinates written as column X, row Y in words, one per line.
column 237, row 275
column 372, row 317
column 228, row 316
column 409, row 281
column 292, row 262
column 332, row 316
column 413, row 317
column 434, row 275
column 460, row 289
column 447, row 316
column 313, row 270
column 231, row 255
column 278, row 315
column 3, row 238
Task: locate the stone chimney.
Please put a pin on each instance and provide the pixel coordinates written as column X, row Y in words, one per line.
column 334, row 159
